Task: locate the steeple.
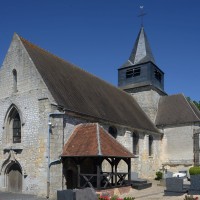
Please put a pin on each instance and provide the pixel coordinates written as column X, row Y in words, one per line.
column 141, row 52
column 141, row 77
column 140, row 72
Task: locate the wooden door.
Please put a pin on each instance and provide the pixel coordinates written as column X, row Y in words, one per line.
column 15, row 178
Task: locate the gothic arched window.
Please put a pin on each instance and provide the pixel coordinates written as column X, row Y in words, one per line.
column 135, row 143
column 13, row 126
column 150, row 145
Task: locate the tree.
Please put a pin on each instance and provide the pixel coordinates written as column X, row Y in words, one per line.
column 195, row 102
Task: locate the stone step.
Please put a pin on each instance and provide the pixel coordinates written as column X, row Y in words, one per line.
column 140, row 186
column 139, row 181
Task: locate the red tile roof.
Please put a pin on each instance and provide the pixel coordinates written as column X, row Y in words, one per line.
column 92, row 140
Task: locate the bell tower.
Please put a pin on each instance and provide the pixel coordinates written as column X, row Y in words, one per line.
column 141, row 77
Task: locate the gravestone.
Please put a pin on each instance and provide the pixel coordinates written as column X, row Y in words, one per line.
column 65, row 195
column 175, row 184
column 86, row 194
column 134, row 175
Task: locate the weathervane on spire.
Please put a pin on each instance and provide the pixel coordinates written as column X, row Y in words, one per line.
column 142, row 14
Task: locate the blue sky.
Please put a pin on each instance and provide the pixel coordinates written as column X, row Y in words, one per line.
column 98, row 35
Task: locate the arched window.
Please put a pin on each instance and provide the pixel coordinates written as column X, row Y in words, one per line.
column 150, row 145
column 113, row 131
column 13, row 126
column 14, row 80
column 135, row 143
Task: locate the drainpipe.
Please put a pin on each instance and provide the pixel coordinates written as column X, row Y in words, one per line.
column 48, row 151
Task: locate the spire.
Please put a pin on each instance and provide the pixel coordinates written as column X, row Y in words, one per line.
column 141, row 52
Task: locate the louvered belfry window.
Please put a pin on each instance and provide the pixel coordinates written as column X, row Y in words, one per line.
column 133, row 72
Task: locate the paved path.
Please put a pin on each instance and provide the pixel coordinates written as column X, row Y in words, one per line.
column 12, row 196
column 153, row 193
column 156, row 193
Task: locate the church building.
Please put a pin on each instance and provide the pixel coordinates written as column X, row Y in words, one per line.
column 58, row 123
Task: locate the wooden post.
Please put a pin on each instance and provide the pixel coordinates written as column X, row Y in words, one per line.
column 115, row 164
column 98, row 176
column 129, row 170
column 79, row 172
column 112, row 172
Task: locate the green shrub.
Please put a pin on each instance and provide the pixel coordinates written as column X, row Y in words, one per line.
column 129, row 198
column 190, row 197
column 115, row 197
column 194, row 170
column 159, row 175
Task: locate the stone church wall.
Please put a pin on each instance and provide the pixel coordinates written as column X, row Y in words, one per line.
column 177, row 147
column 31, row 100
column 148, row 100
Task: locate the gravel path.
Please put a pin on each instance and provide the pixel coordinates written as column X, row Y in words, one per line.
column 156, row 192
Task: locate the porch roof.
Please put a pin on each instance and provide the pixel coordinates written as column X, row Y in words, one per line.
column 92, row 140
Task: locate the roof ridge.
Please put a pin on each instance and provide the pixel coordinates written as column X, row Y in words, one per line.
column 98, row 139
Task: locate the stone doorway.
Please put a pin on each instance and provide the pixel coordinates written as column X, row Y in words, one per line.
column 14, row 178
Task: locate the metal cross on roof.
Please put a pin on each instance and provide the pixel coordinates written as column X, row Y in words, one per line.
column 142, row 14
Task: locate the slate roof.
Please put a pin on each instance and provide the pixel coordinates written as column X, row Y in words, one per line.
column 176, row 109
column 83, row 93
column 141, row 52
column 92, row 140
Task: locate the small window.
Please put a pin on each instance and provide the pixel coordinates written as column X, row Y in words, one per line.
column 150, row 145
column 133, row 72
column 16, row 129
column 135, row 144
column 158, row 75
column 113, row 131
column 14, row 80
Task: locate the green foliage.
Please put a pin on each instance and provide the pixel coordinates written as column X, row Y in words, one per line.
column 159, row 175
column 129, row 198
column 195, row 102
column 194, row 170
column 187, row 197
column 115, row 197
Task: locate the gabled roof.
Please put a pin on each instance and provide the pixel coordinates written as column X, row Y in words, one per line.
column 80, row 92
column 141, row 52
column 92, row 140
column 176, row 109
